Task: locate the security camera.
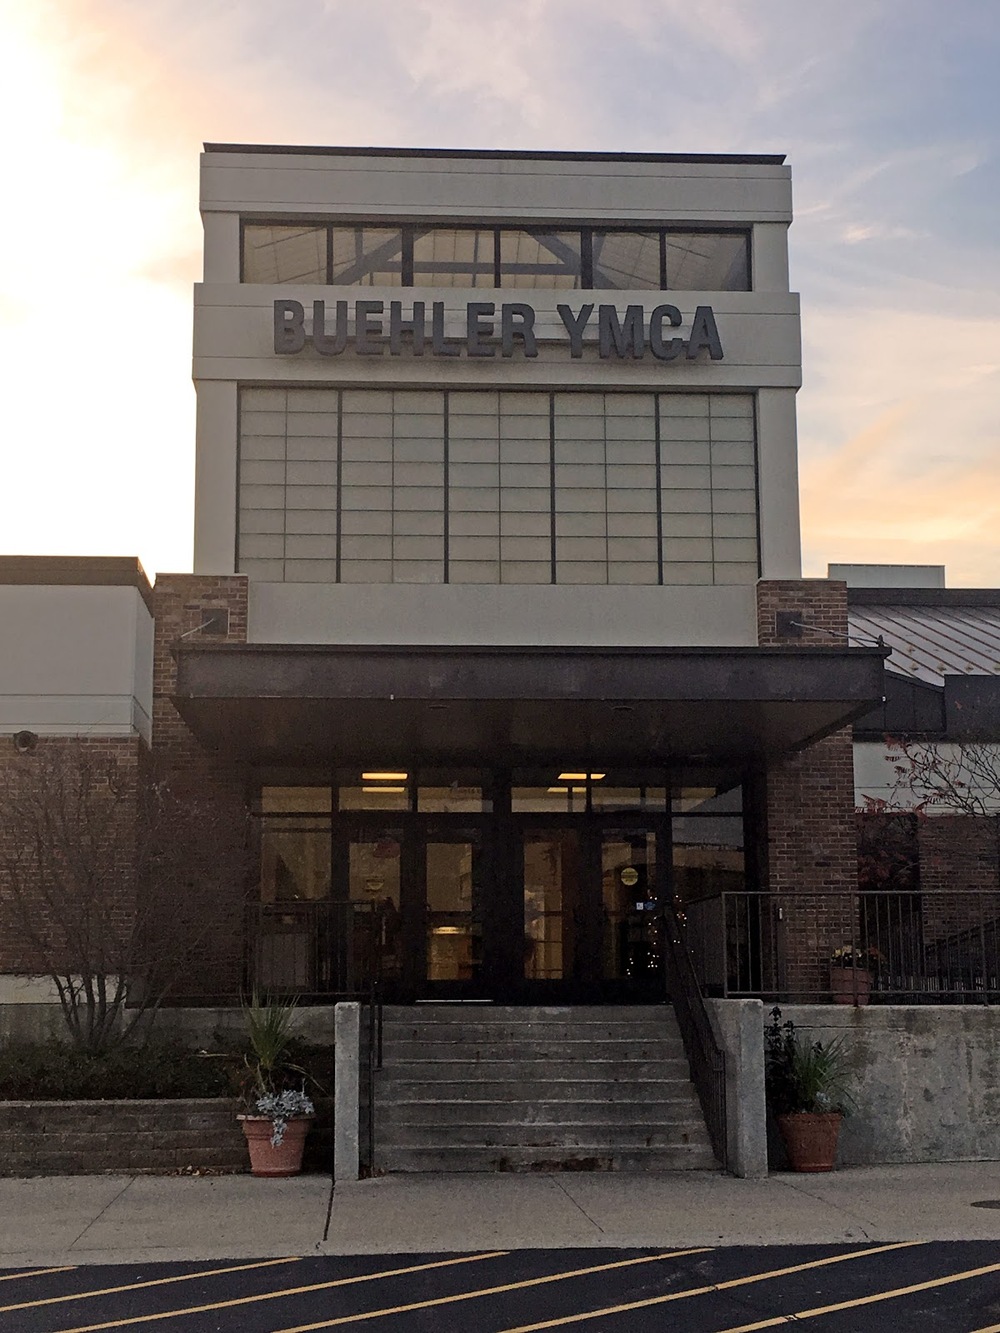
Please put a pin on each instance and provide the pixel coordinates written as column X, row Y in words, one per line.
column 25, row 741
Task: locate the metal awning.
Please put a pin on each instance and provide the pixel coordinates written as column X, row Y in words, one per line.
column 304, row 703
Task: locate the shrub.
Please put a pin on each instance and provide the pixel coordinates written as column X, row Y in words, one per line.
column 53, row 1071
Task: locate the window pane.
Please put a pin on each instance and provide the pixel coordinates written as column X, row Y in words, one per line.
column 449, row 791
column 295, row 800
column 707, row 262
column 284, row 254
column 627, row 259
column 295, row 860
column 561, row 797
column 540, row 259
column 377, row 788
column 463, row 257
column 454, row 910
column 367, row 256
column 633, row 932
column 552, row 878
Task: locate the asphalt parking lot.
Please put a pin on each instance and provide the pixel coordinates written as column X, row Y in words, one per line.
column 907, row 1286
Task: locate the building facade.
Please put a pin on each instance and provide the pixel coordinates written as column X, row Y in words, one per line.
column 500, row 451
column 497, row 623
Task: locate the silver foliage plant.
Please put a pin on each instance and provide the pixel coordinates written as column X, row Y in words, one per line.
column 280, row 1107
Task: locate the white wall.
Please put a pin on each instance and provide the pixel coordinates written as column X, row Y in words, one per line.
column 512, row 615
column 617, row 191
column 76, row 660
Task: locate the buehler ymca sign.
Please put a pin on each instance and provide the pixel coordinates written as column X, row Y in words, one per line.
column 370, row 330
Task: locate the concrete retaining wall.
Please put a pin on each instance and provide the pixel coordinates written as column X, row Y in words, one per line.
column 739, row 1030
column 928, row 1080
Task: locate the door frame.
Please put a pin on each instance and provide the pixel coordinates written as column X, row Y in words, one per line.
column 500, row 872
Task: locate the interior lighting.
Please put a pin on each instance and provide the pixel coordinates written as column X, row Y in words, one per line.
column 581, row 777
column 384, row 789
column 384, row 777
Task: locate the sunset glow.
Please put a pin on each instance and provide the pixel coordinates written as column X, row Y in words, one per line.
column 890, row 128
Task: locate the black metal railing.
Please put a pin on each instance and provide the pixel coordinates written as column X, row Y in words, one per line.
column 373, row 1048
column 314, row 950
column 322, row 952
column 705, row 1057
column 907, row 948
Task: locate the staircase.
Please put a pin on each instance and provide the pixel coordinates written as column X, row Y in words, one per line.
column 494, row 1088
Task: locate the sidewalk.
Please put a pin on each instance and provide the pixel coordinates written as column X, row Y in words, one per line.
column 130, row 1219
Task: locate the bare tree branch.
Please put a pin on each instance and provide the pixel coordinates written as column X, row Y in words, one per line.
column 116, row 878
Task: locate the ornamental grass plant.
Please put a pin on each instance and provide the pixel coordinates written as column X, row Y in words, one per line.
column 802, row 1076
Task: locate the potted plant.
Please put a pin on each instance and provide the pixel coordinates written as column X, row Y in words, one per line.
column 851, row 968
column 806, row 1086
column 276, row 1116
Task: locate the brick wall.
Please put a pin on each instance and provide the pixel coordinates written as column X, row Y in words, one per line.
column 957, row 854
column 74, row 1138
column 818, row 604
column 811, row 842
column 47, row 1138
column 183, row 603
column 80, row 860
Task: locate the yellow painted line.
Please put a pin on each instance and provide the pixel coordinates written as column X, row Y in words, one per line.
column 486, row 1291
column 704, row 1291
column 285, row 1291
column 38, row 1272
column 137, row 1286
column 871, row 1300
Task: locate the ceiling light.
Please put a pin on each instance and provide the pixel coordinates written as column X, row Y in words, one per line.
column 384, row 777
column 581, row 777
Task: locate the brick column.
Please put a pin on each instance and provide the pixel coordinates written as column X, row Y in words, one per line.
column 809, row 798
column 209, row 608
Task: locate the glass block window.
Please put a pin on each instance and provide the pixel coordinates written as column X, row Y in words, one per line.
column 486, row 486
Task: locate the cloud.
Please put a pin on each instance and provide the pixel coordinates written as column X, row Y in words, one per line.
column 899, row 426
column 894, row 246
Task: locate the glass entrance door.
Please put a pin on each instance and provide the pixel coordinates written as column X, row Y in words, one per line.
column 453, row 913
column 632, row 910
column 593, row 924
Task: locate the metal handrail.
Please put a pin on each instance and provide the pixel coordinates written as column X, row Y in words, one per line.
column 375, row 1025
column 706, row 1058
column 927, row 946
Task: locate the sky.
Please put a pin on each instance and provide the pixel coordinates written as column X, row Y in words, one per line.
column 887, row 110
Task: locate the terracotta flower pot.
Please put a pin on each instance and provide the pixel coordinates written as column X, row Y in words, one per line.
column 850, row 985
column 811, row 1139
column 267, row 1160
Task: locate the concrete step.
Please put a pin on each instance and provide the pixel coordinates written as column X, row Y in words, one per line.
column 528, row 1070
column 595, row 1157
column 497, row 1088
column 626, row 1092
column 523, row 1013
column 665, row 1026
column 563, row 1137
column 537, row 1048
column 683, row 1108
